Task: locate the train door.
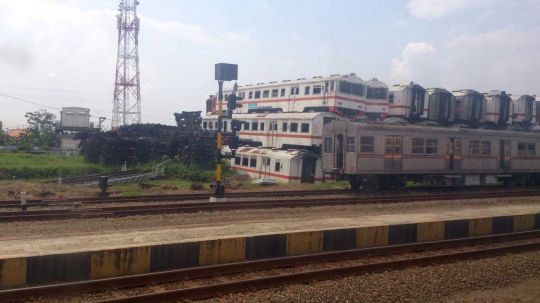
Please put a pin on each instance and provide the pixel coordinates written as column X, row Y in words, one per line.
column 453, row 153
column 295, row 90
column 308, row 169
column 504, row 154
column 393, row 153
column 272, row 134
column 338, row 151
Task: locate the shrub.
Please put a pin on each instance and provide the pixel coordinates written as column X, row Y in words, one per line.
column 197, row 186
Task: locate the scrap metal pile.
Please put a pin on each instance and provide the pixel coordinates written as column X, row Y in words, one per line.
column 140, row 143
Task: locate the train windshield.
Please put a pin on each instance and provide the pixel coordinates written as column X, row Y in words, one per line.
column 377, row 93
column 356, row 89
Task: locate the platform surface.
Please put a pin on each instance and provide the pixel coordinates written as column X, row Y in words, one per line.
column 50, row 245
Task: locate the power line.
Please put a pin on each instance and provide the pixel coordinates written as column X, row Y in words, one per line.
column 29, row 101
column 55, row 90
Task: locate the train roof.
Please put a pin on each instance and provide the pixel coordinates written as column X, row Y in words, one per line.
column 376, row 83
column 277, row 115
column 518, row 97
column 440, row 130
column 299, row 81
column 465, row 92
column 272, row 152
column 437, row 90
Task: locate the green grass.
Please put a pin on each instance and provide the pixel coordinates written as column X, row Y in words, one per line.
column 27, row 166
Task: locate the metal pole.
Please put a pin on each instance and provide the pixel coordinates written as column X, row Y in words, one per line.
column 23, row 200
column 220, row 190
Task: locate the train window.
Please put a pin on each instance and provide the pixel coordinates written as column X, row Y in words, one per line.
column 388, row 146
column 245, row 161
column 306, row 90
column 246, row 126
column 531, row 149
column 225, row 126
column 417, row 146
column 262, row 125
column 254, row 126
column 277, row 166
column 391, row 98
column 274, row 93
column 211, row 125
column 294, row 127
column 317, row 89
column 204, row 125
column 304, row 128
column 486, row 148
column 266, row 93
column 328, row 145
column 366, row 145
column 475, row 147
column 377, row 92
column 258, row 94
column 350, row 145
column 250, row 95
column 295, row 91
column 268, row 161
column 522, row 149
column 332, row 84
column 253, row 162
column 397, row 149
column 237, row 161
column 282, row 92
column 284, row 126
column 352, row 88
column 431, row 147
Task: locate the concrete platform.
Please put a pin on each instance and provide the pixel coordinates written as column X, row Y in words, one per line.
column 40, row 260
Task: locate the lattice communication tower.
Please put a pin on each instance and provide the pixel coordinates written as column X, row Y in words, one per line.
column 127, row 89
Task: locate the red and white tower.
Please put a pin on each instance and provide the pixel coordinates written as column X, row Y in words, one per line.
column 127, row 88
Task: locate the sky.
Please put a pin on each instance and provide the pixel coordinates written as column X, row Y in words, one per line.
column 63, row 53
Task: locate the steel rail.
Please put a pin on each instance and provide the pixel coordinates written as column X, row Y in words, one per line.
column 121, row 211
column 174, row 197
column 236, row 268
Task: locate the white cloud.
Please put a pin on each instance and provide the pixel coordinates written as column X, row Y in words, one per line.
column 51, row 76
column 435, row 9
column 402, row 70
column 507, row 59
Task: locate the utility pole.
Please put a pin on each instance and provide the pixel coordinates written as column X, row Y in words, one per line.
column 223, row 72
column 127, row 89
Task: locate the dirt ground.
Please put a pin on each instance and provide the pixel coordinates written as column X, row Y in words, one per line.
column 527, row 291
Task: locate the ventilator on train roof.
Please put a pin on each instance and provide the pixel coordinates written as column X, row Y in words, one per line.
column 523, row 109
column 470, row 107
column 498, row 108
column 440, row 105
column 407, row 100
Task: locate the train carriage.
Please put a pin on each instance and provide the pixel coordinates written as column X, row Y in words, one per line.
column 498, row 109
column 523, row 109
column 470, row 107
column 372, row 155
column 407, row 101
column 441, row 106
column 285, row 166
column 343, row 94
column 278, row 130
column 376, row 100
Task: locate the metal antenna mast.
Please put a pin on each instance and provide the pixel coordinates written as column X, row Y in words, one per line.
column 127, row 88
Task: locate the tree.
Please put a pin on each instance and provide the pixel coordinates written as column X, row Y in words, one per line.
column 41, row 130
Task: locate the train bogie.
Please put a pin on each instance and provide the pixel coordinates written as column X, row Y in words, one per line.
column 378, row 155
column 407, row 101
column 523, row 109
column 440, row 105
column 470, row 107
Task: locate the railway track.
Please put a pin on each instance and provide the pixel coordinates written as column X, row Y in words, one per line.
column 254, row 280
column 123, row 211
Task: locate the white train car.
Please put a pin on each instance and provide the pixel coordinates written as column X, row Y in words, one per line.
column 523, row 109
column 470, row 107
column 407, row 101
column 441, row 105
column 498, row 108
column 285, row 166
column 343, row 94
column 278, row 130
column 376, row 100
